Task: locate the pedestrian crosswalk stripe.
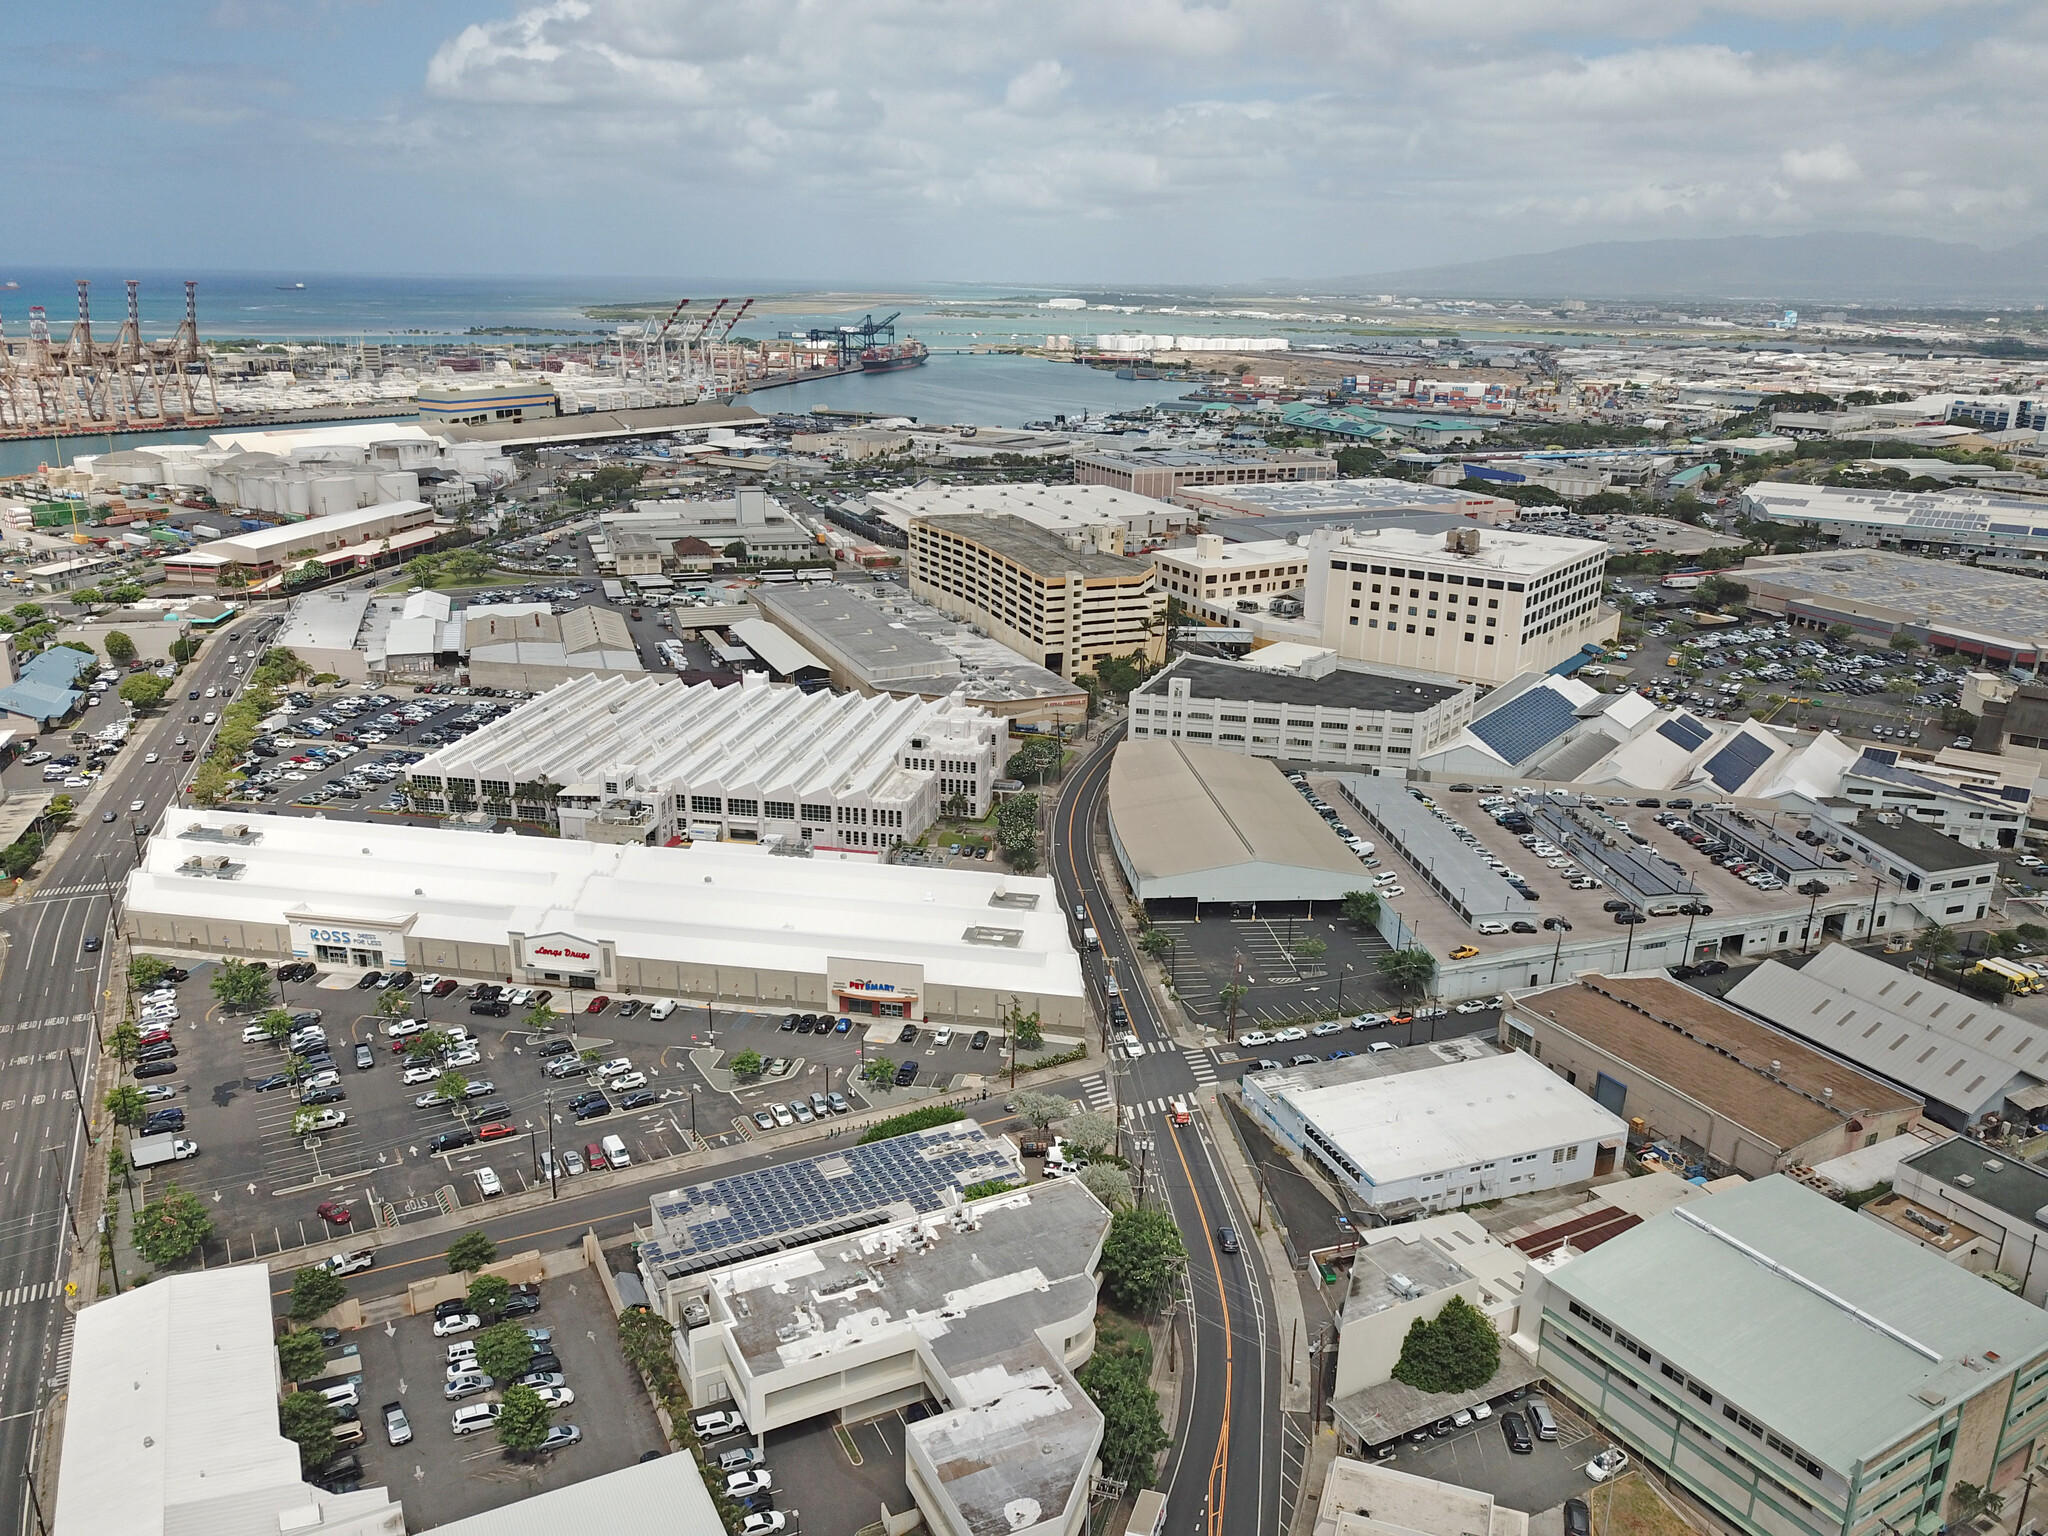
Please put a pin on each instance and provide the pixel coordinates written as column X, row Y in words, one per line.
column 27, row 1293
column 1203, row 1065
column 1097, row 1091
column 62, row 1373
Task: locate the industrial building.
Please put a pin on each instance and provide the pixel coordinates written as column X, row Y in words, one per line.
column 45, row 690
column 1198, row 826
column 1977, row 1207
column 1132, row 522
column 1344, row 501
column 1163, row 473
column 369, row 536
column 1941, row 522
column 1881, row 594
column 1431, row 1128
column 878, row 639
column 649, row 760
column 1318, row 710
column 712, row 921
column 485, row 402
column 530, row 648
column 170, row 1421
column 1057, row 600
column 643, row 542
column 1954, row 883
column 1967, row 1058
column 1799, row 1370
column 1478, row 604
column 1979, row 806
column 862, row 1282
column 1710, row 1080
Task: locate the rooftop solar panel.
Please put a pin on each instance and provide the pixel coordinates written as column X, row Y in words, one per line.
column 1735, row 763
column 1523, row 725
column 1686, row 731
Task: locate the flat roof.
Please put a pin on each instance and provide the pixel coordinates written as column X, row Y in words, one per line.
column 1922, row 846
column 1950, row 1048
column 666, row 1494
column 1178, row 809
column 1338, row 689
column 292, row 535
column 877, row 648
column 1843, row 1340
column 2008, row 1184
column 326, row 621
column 633, row 422
column 1374, row 496
column 1444, row 862
column 1502, row 551
column 1052, row 507
column 1943, row 596
column 1036, row 549
column 1431, row 1110
column 723, row 904
column 1783, row 1090
column 1190, row 458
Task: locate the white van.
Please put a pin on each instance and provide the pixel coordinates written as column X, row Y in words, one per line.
column 1090, row 938
column 477, row 1416
column 615, row 1152
column 347, row 1395
column 662, row 1009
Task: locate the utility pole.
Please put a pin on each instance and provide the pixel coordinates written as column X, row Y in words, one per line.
column 64, row 1194
column 554, row 1168
column 78, row 1088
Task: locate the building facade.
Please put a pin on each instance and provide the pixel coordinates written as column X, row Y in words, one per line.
column 1060, row 602
column 1163, row 475
column 365, row 537
column 1219, row 581
column 485, row 403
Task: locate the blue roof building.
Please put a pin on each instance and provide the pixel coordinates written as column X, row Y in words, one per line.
column 45, row 691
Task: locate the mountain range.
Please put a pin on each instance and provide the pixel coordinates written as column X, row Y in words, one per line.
column 1794, row 270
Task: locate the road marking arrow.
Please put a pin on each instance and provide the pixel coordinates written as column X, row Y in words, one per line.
column 390, row 1329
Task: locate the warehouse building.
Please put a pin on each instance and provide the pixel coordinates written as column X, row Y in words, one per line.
column 170, row 1421
column 749, row 517
column 1164, row 473
column 529, row 647
column 1057, row 600
column 1938, row 521
column 711, row 921
column 1346, row 502
column 1710, row 1080
column 1320, row 710
column 370, row 536
column 485, row 402
column 649, row 760
column 1966, row 1057
column 1975, row 1207
column 1432, row 1128
column 1881, row 594
column 860, row 1283
column 1131, row 522
column 1953, row 883
column 1196, row 827
column 1798, row 1369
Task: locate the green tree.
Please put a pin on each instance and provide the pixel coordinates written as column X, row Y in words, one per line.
column 1088, row 1132
column 240, row 987
column 127, row 1106
column 426, row 1045
column 879, row 1070
column 1839, row 633
column 1140, row 1258
column 523, row 1424
column 305, row 1121
column 119, row 646
column 1041, row 1109
column 1458, row 1351
column 1362, row 908
column 307, row 1420
column 213, row 782
column 1109, row 1184
column 171, row 1227
column 1410, row 970
column 145, row 971
column 747, row 1064
column 1968, row 1500
column 1936, row 941
column 315, row 1292
column 1024, row 1030
column 124, row 1040
column 144, row 690
column 1230, row 994
column 1904, row 643
column 1157, row 943
column 19, row 857
column 503, row 1351
column 1311, row 948
column 1132, row 1433
column 26, row 613
column 184, row 650
column 736, row 550
column 452, row 1086
column 540, row 1018
column 393, row 1004
column 301, row 1356
column 488, row 1295
column 1039, row 756
column 470, row 1253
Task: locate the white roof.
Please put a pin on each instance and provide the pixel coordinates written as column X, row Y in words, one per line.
column 316, row 530
column 1501, row 552
column 288, row 440
column 1237, row 556
column 1453, row 1115
column 721, row 904
column 1055, row 508
column 171, row 1423
column 772, row 645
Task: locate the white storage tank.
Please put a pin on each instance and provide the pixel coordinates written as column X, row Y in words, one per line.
column 398, row 485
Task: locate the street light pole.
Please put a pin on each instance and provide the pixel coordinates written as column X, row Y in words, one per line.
column 554, row 1168
column 78, row 1088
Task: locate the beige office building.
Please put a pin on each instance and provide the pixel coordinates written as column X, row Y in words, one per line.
column 1058, row 600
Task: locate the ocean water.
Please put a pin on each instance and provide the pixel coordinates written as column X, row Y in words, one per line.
column 987, row 390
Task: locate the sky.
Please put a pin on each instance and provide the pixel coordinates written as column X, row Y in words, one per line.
column 1111, row 142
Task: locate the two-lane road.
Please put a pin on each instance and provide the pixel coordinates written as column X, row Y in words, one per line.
column 1225, row 1475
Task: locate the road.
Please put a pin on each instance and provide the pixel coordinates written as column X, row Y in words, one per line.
column 1226, row 1474
column 53, row 987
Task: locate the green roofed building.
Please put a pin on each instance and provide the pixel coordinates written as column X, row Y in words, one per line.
column 1797, row 1368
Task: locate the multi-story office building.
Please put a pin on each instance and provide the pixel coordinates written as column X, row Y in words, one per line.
column 1164, row 474
column 1220, row 581
column 1799, row 1370
column 1319, row 712
column 486, row 402
column 643, row 759
column 1059, row 600
column 1479, row 603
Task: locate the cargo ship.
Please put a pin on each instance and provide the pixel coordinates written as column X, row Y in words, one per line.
column 909, row 354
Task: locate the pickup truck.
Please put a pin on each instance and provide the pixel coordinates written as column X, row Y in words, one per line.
column 167, row 1147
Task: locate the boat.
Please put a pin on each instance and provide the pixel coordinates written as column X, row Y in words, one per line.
column 289, row 287
column 10, row 283
column 909, row 354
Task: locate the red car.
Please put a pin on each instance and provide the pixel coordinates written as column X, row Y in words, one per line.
column 152, row 1036
column 444, row 987
column 335, row 1212
column 598, row 1004
column 496, row 1129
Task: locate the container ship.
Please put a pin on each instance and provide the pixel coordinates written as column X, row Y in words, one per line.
column 909, row 354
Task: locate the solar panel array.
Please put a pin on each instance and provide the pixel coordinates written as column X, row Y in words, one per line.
column 746, row 1215
column 1945, row 517
column 1734, row 764
column 1686, row 731
column 1522, row 725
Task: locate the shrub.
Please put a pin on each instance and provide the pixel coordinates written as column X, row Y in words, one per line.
column 913, row 1120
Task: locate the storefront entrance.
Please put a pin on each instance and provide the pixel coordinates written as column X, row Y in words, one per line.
column 883, row 1008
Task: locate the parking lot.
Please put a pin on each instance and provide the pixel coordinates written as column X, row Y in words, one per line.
column 1261, row 954
column 444, row 1476
column 1555, row 1470
column 833, row 1480
column 267, row 1178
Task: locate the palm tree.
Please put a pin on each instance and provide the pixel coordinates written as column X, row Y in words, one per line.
column 1937, row 942
column 1411, row 969
column 1229, row 995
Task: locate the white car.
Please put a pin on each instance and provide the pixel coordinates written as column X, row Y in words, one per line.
column 463, row 1058
column 556, row 1397
column 767, row 1523
column 328, row 1118
column 461, row 1322
column 420, row 1074
column 405, row 1029
column 1256, row 1037
column 255, row 1034
column 488, row 1183
column 615, row 1066
column 136, row 807
column 1393, row 890
column 326, row 1077
column 629, row 1081
column 739, row 1484
column 1607, row 1464
column 1283, row 1036
column 149, row 757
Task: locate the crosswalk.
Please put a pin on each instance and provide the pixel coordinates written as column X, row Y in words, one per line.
column 1203, row 1065
column 1149, row 1047
column 1097, row 1093
column 26, row 1293
column 61, row 1375
column 54, row 892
